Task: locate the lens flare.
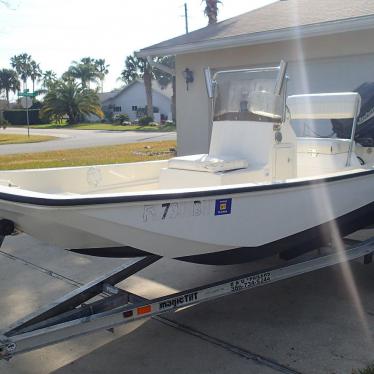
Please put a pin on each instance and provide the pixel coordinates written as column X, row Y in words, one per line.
column 323, row 204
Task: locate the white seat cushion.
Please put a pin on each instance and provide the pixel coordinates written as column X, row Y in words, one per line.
column 206, row 163
column 324, row 106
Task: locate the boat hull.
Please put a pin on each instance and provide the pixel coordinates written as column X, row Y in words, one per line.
column 226, row 225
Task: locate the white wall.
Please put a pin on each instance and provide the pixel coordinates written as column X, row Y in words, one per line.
column 135, row 96
column 338, row 62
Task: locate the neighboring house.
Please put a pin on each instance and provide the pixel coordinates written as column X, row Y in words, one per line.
column 329, row 45
column 132, row 97
column 12, row 105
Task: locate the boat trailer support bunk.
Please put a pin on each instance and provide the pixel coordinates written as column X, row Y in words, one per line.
column 70, row 316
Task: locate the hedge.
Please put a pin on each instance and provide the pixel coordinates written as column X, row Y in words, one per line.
column 18, row 117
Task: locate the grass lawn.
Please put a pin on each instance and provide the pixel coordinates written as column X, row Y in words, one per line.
column 16, row 139
column 133, row 152
column 107, row 126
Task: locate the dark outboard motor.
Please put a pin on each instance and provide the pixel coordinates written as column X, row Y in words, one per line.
column 365, row 125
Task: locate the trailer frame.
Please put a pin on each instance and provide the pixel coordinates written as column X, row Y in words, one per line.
column 70, row 316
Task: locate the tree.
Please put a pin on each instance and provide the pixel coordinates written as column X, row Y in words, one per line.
column 35, row 73
column 87, row 61
column 9, row 82
column 164, row 79
column 84, row 70
column 48, row 78
column 102, row 69
column 72, row 99
column 211, row 10
column 22, row 64
column 139, row 68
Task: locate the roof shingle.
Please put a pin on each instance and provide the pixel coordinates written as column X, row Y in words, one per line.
column 282, row 14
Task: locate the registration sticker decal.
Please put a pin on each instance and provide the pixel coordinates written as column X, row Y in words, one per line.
column 223, row 206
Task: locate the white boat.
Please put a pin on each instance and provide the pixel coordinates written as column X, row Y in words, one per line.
column 259, row 191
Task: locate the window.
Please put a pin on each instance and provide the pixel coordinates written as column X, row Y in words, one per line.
column 117, row 109
column 134, row 108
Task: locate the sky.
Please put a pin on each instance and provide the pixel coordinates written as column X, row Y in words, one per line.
column 57, row 32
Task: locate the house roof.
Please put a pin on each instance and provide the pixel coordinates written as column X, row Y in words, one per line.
column 105, row 96
column 281, row 20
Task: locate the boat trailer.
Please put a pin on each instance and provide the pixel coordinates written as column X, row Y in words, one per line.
column 70, row 316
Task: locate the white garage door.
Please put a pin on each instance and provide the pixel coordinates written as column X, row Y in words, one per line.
column 329, row 75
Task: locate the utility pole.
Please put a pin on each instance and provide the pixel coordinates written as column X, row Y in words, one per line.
column 186, row 16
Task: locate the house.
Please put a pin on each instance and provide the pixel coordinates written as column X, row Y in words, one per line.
column 329, row 45
column 131, row 99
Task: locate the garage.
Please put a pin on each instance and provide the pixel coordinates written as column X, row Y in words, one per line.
column 326, row 51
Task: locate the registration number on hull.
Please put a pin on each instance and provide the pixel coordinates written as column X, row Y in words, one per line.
column 197, row 208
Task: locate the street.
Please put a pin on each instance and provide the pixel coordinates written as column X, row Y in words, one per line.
column 69, row 139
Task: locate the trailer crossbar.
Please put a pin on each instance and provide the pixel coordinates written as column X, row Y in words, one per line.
column 58, row 323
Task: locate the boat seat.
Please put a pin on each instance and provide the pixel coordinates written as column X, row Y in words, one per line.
column 339, row 105
column 182, row 178
column 206, row 163
column 322, row 155
column 234, row 145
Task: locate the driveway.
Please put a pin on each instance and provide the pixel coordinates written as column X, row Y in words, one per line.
column 314, row 323
column 69, row 139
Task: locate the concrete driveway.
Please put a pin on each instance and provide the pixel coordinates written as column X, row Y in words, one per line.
column 68, row 139
column 314, row 323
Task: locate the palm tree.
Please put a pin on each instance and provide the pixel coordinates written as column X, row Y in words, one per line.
column 22, row 64
column 71, row 99
column 48, row 78
column 102, row 69
column 85, row 70
column 139, row 68
column 9, row 82
column 35, row 73
column 211, row 10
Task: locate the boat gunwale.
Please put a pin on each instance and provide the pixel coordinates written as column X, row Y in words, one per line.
column 101, row 200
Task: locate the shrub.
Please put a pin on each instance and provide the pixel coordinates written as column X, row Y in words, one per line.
column 108, row 116
column 142, row 111
column 368, row 370
column 146, row 120
column 3, row 122
column 18, row 117
column 119, row 119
